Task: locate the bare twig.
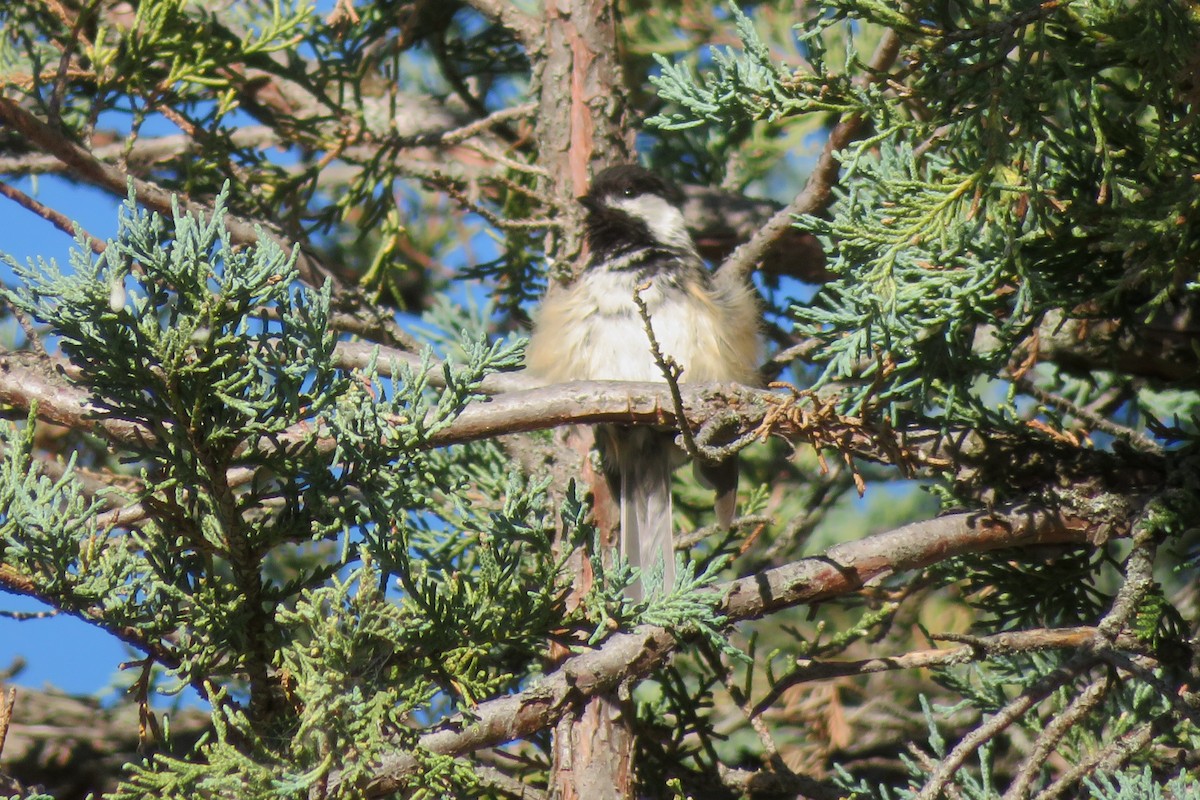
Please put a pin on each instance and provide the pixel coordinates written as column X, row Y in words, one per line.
column 811, row 669
column 25, row 616
column 670, row 370
column 357, row 355
column 1138, row 579
column 13, row 581
column 450, row 186
column 473, row 129
column 1112, row 756
column 754, row 717
column 827, row 491
column 31, row 333
column 1135, row 438
column 117, row 181
column 684, row 541
column 1185, row 703
column 55, row 218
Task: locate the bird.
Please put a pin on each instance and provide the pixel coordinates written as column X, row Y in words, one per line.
column 590, row 328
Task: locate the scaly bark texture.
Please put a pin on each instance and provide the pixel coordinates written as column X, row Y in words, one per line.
column 583, row 127
column 593, row 753
column 583, row 120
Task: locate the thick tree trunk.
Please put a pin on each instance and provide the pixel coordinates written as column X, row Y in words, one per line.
column 593, row 753
column 583, row 127
column 582, row 114
column 593, row 746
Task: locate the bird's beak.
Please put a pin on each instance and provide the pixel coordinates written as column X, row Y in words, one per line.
column 590, row 203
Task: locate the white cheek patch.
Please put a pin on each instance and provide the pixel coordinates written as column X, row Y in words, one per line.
column 664, row 220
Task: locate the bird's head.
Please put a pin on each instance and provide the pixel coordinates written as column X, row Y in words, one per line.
column 629, row 207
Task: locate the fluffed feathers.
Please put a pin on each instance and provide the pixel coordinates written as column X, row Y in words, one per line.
column 590, row 329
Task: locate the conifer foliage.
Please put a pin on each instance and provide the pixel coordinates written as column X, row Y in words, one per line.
column 272, row 432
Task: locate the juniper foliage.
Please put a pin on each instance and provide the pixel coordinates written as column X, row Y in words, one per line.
column 1011, row 256
column 1023, row 181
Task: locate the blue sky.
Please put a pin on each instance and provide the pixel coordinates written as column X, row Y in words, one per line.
column 60, row 651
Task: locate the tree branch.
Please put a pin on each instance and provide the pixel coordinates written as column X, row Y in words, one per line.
column 26, row 379
column 841, row 570
column 55, row 218
column 524, row 27
column 815, row 195
column 811, row 669
column 1111, row 757
column 117, row 181
column 1043, row 747
column 1016, row 708
column 13, row 581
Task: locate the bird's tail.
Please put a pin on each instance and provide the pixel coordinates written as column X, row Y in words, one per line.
column 644, row 463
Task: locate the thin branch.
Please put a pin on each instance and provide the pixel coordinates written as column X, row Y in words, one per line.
column 459, row 85
column 146, row 152
column 1186, row 703
column 462, row 197
column 87, row 167
column 1137, row 582
column 31, row 333
column 1016, row 708
column 25, row 616
column 983, row 647
column 752, row 715
column 361, row 314
column 55, row 218
column 1112, row 756
column 27, row 379
column 1082, row 705
column 670, row 370
column 524, row 27
column 13, row 581
column 1135, row 438
column 819, row 187
column 685, row 541
column 473, row 129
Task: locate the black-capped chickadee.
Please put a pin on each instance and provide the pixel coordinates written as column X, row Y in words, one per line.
column 590, row 329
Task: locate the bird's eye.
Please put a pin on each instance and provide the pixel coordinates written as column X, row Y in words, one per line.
column 627, row 191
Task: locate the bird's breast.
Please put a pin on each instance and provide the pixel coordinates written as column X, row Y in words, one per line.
column 592, row 330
